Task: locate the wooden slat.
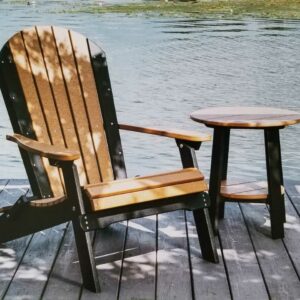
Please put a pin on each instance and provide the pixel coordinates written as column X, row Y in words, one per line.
column 11, row 253
column 246, row 279
column 87, row 80
column 77, row 106
column 173, row 272
column 278, row 270
column 210, row 280
column 138, row 273
column 19, row 53
column 246, row 117
column 32, row 275
column 181, row 134
column 237, row 190
column 148, row 195
column 108, row 248
column 45, row 150
column 141, row 183
column 39, row 72
column 58, row 87
column 65, row 278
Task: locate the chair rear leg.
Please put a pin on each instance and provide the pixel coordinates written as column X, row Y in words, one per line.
column 86, row 258
column 206, row 235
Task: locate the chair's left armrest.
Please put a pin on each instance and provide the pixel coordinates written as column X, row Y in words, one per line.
column 53, row 152
column 182, row 135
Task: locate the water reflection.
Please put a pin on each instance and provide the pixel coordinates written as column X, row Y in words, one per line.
column 163, row 68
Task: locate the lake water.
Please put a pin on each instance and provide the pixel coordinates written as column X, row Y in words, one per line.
column 163, row 68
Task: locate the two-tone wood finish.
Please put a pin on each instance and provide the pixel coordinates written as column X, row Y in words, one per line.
column 271, row 120
column 57, row 90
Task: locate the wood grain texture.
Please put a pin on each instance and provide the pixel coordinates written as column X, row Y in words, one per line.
column 246, row 117
column 50, row 151
column 32, row 275
column 65, row 281
column 281, row 278
column 60, row 94
column 209, row 279
column 27, row 78
column 11, row 253
column 239, row 190
column 144, row 182
column 108, row 248
column 181, row 134
column 245, row 276
column 278, row 261
column 161, row 194
column 138, row 271
column 173, row 271
column 76, row 103
column 93, row 110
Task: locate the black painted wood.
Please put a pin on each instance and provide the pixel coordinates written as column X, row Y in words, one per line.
column 218, row 162
column 109, row 115
column 275, row 180
column 21, row 122
column 83, row 239
column 201, row 216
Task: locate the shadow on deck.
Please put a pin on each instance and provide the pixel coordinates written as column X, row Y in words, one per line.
column 159, row 257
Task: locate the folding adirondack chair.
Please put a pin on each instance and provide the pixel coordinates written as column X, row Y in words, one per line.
column 57, row 90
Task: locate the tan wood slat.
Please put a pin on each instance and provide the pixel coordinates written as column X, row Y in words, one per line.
column 236, row 190
column 86, row 76
column 55, row 75
column 142, row 183
column 172, row 133
column 45, row 150
column 72, row 82
column 39, row 72
column 161, row 193
column 17, row 47
column 246, row 117
column 47, row 202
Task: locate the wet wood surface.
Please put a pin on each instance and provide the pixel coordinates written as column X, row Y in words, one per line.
column 158, row 257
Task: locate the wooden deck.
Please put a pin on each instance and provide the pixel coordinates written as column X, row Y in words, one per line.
column 159, row 257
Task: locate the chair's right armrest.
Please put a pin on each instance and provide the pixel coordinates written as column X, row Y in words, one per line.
column 53, row 152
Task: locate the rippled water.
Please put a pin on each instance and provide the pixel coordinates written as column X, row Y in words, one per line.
column 164, row 68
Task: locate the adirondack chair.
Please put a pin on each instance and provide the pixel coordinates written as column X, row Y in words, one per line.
column 57, row 91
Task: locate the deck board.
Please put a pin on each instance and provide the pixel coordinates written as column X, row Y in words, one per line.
column 158, row 257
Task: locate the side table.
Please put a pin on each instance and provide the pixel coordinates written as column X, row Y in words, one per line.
column 271, row 120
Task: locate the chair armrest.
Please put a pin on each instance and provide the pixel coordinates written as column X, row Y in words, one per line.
column 50, row 151
column 184, row 135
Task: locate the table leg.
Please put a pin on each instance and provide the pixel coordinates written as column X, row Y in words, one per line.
column 275, row 180
column 226, row 134
column 218, row 169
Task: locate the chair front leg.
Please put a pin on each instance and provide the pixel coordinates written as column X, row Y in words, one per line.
column 82, row 238
column 201, row 216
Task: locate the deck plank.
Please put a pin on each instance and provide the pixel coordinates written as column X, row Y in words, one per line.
column 138, row 273
column 173, row 271
column 32, row 275
column 245, row 276
column 293, row 191
column 292, row 236
column 108, row 251
column 281, row 278
column 65, row 281
column 26, row 263
column 209, row 279
column 11, row 253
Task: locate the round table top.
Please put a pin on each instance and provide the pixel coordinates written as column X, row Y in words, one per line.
column 246, row 117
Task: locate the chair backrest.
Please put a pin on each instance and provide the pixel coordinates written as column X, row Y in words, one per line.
column 57, row 90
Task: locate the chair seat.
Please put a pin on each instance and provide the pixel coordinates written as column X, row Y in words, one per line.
column 144, row 189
